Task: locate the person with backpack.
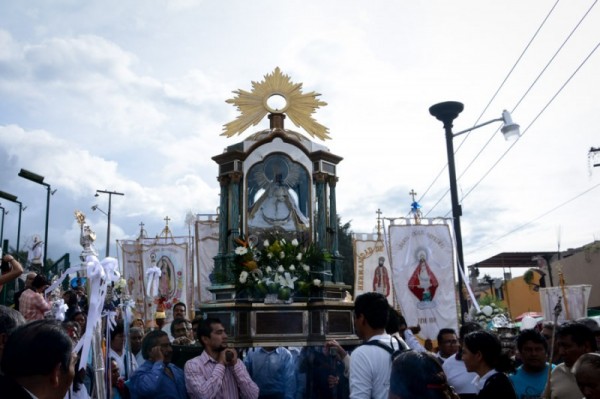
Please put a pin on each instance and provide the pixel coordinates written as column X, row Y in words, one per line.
column 371, row 363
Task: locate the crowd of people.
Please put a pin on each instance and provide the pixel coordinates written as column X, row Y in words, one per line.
column 40, row 358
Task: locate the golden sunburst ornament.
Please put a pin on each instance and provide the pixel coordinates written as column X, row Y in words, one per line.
column 256, row 104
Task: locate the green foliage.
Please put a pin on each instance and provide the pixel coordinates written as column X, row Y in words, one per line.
column 346, row 251
column 528, row 276
column 491, row 301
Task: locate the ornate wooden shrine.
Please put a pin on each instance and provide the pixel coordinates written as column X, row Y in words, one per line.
column 277, row 182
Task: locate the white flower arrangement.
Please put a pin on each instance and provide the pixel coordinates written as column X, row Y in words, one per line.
column 279, row 267
column 487, row 314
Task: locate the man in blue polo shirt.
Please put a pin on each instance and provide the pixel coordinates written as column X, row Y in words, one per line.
column 530, row 378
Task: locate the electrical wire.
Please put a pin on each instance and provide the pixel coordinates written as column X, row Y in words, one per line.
column 520, row 101
column 536, row 219
column 489, row 103
column 529, row 90
column 535, row 119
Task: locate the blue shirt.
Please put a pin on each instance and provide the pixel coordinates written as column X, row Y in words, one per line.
column 150, row 381
column 529, row 385
column 273, row 371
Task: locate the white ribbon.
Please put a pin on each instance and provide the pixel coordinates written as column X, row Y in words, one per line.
column 111, row 319
column 99, row 274
column 152, row 275
column 111, row 268
column 59, row 308
column 65, row 274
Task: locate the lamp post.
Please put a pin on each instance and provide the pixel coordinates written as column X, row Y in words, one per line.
column 2, row 228
column 110, row 194
column 446, row 112
column 13, row 198
column 40, row 180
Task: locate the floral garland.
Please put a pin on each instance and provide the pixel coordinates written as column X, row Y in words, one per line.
column 277, row 266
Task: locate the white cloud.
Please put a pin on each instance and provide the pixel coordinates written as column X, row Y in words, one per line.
column 134, row 101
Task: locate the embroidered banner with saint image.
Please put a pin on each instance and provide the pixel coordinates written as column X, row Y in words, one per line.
column 372, row 270
column 423, row 275
column 207, row 247
column 133, row 273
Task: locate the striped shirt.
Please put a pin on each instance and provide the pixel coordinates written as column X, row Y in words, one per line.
column 207, row 379
column 33, row 305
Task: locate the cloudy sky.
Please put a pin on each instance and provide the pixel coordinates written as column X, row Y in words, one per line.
column 130, row 96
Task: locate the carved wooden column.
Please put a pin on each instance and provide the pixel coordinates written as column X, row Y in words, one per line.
column 333, row 223
column 235, row 218
column 336, row 264
column 220, row 259
column 321, row 228
column 223, row 220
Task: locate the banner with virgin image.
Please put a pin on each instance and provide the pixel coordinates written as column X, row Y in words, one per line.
column 423, row 275
column 174, row 284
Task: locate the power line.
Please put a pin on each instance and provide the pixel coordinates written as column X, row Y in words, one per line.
column 531, row 86
column 488, row 104
column 536, row 219
column 535, row 119
column 522, row 98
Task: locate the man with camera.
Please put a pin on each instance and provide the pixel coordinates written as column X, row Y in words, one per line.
column 217, row 372
column 157, row 377
column 11, row 269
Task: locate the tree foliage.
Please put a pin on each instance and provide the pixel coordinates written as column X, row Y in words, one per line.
column 346, row 250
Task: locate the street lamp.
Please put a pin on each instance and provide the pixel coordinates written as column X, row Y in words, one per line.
column 13, row 198
column 4, row 212
column 95, row 207
column 24, row 173
column 447, row 112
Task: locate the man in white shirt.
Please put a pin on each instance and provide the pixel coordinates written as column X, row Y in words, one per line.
column 135, row 344
column 179, row 312
column 447, row 344
column 455, row 369
column 574, row 340
column 371, row 365
column 125, row 360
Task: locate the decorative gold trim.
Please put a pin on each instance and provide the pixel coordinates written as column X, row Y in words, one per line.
column 253, row 105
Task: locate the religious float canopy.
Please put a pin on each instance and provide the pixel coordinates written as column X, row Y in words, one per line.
column 277, row 274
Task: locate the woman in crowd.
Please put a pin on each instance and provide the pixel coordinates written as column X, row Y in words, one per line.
column 70, row 298
column 482, row 354
column 418, row 375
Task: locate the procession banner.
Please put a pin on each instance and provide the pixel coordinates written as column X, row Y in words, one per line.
column 207, row 247
column 133, row 273
column 574, row 301
column 175, row 282
column 372, row 273
column 422, row 259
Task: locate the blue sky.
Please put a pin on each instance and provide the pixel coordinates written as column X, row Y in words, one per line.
column 130, row 96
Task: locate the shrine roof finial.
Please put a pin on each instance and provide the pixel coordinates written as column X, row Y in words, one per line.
column 254, row 105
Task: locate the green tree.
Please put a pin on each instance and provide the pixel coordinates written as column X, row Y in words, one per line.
column 346, row 250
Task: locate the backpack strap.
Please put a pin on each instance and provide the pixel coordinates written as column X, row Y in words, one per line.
column 381, row 345
column 402, row 346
